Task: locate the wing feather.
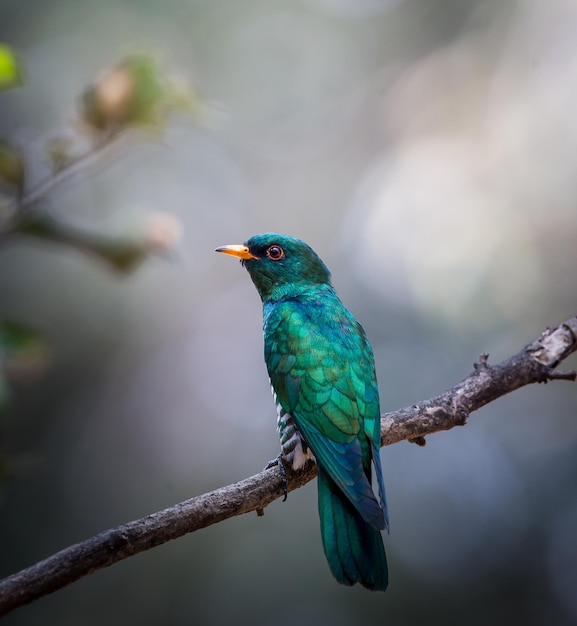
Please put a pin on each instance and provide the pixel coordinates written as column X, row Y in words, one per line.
column 321, row 367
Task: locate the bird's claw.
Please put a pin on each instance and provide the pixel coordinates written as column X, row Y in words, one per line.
column 278, row 462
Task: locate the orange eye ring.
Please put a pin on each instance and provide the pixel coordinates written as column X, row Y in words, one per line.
column 275, row 253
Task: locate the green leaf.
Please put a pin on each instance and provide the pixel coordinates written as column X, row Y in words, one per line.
column 10, row 70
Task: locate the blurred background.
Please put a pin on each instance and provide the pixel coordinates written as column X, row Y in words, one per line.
column 427, row 150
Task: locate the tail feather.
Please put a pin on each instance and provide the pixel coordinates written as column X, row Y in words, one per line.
column 354, row 548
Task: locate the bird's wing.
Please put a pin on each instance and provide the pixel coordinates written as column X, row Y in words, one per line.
column 321, row 368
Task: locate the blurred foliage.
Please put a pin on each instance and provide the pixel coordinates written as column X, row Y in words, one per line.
column 10, row 70
column 133, row 94
column 124, row 252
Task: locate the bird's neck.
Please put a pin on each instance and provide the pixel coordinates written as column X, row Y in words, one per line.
column 297, row 291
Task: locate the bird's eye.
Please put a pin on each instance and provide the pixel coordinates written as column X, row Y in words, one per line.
column 275, row 253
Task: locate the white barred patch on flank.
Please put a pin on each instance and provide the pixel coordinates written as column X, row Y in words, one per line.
column 294, row 448
column 299, row 456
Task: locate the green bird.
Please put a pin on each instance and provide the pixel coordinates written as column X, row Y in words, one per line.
column 322, row 372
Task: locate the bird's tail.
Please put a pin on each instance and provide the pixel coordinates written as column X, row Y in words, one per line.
column 354, row 548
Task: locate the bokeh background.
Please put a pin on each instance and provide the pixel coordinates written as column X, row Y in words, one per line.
column 427, row 149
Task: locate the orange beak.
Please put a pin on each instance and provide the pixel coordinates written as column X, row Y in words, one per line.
column 242, row 252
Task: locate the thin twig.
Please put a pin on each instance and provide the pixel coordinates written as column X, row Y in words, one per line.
column 74, row 167
column 17, row 207
column 535, row 363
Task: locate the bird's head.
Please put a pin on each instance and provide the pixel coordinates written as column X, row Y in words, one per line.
column 279, row 265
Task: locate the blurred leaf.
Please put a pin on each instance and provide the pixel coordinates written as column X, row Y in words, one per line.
column 158, row 234
column 11, row 165
column 123, row 254
column 10, row 70
column 24, row 351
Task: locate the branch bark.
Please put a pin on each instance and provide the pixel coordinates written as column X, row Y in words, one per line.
column 535, row 363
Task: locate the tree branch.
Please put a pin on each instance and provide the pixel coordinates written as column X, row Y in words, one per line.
column 535, row 363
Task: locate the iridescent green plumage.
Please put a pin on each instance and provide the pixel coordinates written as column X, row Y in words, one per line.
column 322, row 371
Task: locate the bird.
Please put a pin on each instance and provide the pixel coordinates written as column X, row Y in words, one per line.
column 322, row 373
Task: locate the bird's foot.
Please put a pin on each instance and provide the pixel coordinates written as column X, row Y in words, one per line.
column 278, row 462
